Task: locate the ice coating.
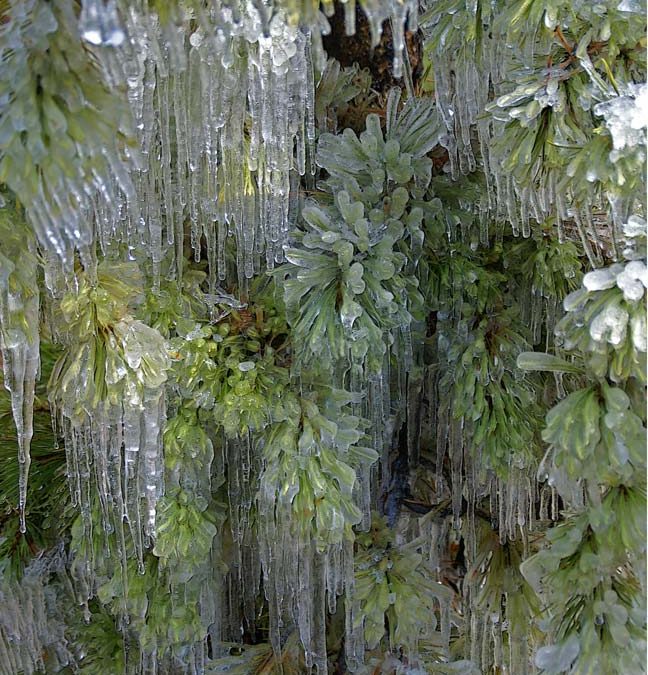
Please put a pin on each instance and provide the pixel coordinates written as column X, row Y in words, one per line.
column 20, row 343
column 626, row 116
column 222, row 99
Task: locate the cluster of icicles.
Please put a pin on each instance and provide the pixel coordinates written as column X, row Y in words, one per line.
column 28, row 621
column 222, row 108
column 470, row 81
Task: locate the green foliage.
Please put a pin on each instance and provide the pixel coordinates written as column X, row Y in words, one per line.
column 309, row 464
column 493, row 399
column 184, row 533
column 110, row 355
column 232, row 371
column 336, row 88
column 60, row 126
column 596, row 434
column 597, row 442
column 402, row 297
column 394, row 589
column 551, row 115
column 595, row 602
column 99, row 642
column 503, row 591
column 551, row 268
column 554, row 107
column 175, row 306
column 350, row 281
column 157, row 618
column 188, row 449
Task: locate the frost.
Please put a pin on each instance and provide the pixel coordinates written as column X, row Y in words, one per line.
column 610, row 325
column 634, row 6
column 626, row 116
column 638, row 332
column 635, row 227
column 632, row 281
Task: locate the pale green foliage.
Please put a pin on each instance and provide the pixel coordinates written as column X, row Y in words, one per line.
column 350, row 283
column 60, row 125
column 335, row 89
column 310, row 458
column 597, row 436
column 110, row 355
column 499, row 406
column 184, row 532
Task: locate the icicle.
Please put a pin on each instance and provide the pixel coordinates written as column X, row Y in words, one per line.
column 511, row 206
column 151, row 466
column 20, row 350
column 561, row 215
column 443, row 89
column 484, row 217
column 445, row 626
column 455, row 451
column 318, row 640
column 131, row 422
column 584, row 239
column 398, row 19
column 596, row 240
column 537, row 305
column 167, row 190
column 479, row 642
column 524, row 212
column 442, row 434
column 354, row 637
column 99, row 23
column 554, row 504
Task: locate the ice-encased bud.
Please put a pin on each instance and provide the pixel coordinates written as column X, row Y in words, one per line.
column 600, row 280
column 610, row 325
column 626, row 116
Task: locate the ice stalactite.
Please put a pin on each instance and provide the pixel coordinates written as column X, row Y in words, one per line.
column 72, row 96
column 31, row 624
column 242, row 468
column 19, row 333
column 107, row 394
column 21, row 360
column 236, row 93
column 114, row 466
column 249, row 83
column 516, row 500
column 462, row 91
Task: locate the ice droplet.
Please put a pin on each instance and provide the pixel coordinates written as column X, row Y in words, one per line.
column 99, row 23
